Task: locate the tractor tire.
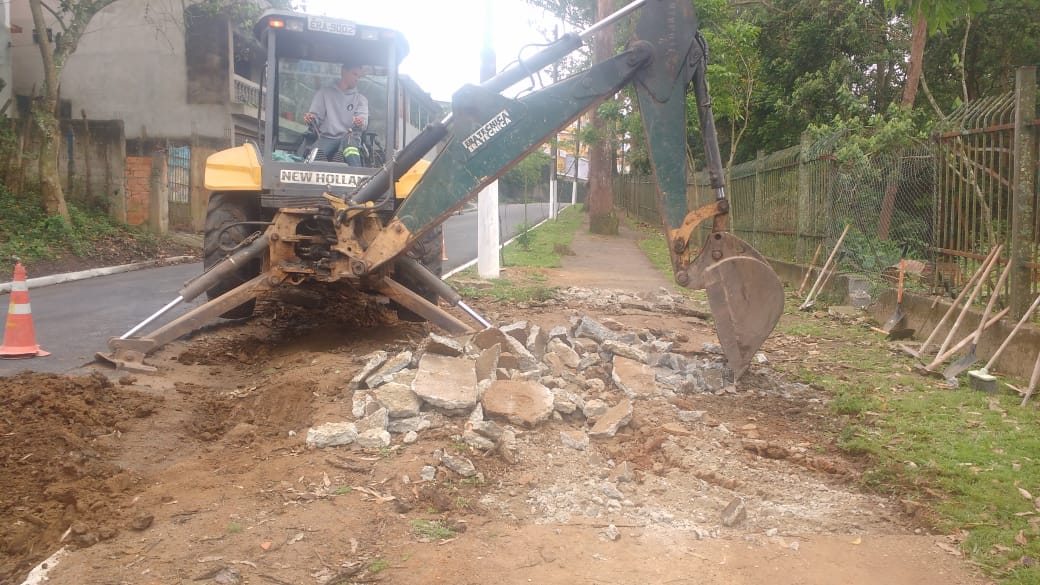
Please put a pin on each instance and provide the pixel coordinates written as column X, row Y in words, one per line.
column 428, row 252
column 224, row 209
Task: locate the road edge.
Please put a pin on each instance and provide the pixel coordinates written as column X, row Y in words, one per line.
column 5, row 287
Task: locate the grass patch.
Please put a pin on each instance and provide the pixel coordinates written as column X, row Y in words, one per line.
column 430, row 530
column 28, row 232
column 964, row 457
column 526, row 258
column 378, row 565
column 542, row 247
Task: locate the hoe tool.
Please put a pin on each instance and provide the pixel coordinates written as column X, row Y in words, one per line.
column 982, row 379
column 810, row 299
column 953, row 370
column 923, row 349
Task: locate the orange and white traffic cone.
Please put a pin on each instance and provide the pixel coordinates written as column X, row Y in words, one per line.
column 19, row 334
column 444, row 248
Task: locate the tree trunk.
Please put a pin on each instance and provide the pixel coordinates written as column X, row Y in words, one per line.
column 46, row 115
column 913, row 80
column 602, row 219
column 913, row 72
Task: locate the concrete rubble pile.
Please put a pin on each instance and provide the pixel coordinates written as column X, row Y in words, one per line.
column 589, row 374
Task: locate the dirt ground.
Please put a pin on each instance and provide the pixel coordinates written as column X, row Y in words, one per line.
column 200, row 474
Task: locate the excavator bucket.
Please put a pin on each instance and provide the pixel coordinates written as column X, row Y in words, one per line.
column 744, row 293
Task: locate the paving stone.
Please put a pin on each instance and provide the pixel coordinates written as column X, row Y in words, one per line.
column 446, row 382
column 488, row 337
column 520, row 402
column 537, row 339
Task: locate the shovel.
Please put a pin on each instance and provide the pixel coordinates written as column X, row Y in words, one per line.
column 899, row 314
column 953, row 370
column 981, row 379
column 808, row 272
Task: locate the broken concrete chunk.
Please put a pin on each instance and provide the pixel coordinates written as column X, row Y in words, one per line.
column 374, row 439
column 377, row 420
column 625, row 350
column 517, row 331
column 672, row 361
column 595, row 408
column 537, row 339
column 567, row 402
column 414, row 424
column 386, row 373
column 590, row 360
column 608, row 425
column 332, row 434
column 488, row 337
column 568, row 356
column 372, row 362
column 735, row 513
column 487, row 363
column 555, row 363
column 446, row 382
column 508, row 361
column 444, row 346
column 458, row 464
column 520, row 402
column 558, row 332
column 574, row 439
column 585, row 346
column 477, row 441
column 488, row 428
column 398, row 399
column 591, row 329
column 623, row 473
column 363, row 404
column 635, row 379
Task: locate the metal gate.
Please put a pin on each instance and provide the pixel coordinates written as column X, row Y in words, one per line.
column 178, row 186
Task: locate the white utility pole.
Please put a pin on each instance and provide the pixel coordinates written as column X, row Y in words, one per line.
column 554, row 152
column 488, row 240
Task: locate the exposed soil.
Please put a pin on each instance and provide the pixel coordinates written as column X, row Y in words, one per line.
column 199, row 473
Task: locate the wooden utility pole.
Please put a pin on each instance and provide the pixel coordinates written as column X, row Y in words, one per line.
column 1022, row 212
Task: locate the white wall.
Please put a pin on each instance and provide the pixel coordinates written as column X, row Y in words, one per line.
column 129, row 65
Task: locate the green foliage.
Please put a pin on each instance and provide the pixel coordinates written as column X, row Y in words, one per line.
column 524, row 237
column 532, row 170
column 26, row 231
column 542, row 247
column 378, row 565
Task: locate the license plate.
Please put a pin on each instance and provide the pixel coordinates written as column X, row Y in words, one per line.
column 328, row 25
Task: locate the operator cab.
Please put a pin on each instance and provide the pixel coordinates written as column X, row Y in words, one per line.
column 304, row 54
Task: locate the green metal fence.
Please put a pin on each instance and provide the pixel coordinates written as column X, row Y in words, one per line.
column 947, row 202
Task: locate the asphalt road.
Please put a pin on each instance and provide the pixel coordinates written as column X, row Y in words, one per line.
column 74, row 320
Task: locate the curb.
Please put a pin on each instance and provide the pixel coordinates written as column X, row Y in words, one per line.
column 5, row 287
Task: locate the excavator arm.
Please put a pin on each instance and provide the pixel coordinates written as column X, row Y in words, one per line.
column 488, row 133
column 484, row 136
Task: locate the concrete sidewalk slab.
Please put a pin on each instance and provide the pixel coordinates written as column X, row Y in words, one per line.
column 609, row 262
